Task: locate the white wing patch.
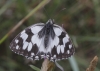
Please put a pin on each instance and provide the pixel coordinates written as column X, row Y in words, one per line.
column 36, row 29
column 30, row 46
column 52, row 43
column 57, row 31
column 25, row 45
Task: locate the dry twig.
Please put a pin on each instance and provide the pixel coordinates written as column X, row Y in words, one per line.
column 47, row 65
column 93, row 64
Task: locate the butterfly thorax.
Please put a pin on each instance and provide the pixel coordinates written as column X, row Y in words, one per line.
column 47, row 32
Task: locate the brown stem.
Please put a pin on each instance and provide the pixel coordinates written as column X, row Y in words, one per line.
column 93, row 64
column 47, row 65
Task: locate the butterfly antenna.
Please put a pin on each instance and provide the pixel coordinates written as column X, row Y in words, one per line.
column 53, row 21
column 63, row 25
column 59, row 12
column 48, row 17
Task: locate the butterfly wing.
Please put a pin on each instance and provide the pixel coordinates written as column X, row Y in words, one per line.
column 27, row 43
column 61, row 47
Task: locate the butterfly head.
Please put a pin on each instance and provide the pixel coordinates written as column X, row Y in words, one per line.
column 50, row 21
column 49, row 24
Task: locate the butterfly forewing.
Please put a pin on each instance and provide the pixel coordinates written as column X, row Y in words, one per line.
column 35, row 43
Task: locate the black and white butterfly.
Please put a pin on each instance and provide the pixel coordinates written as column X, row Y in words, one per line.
column 43, row 41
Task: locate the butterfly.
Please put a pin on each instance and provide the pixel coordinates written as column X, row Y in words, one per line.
column 43, row 41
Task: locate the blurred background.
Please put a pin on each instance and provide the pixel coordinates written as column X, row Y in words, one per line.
column 80, row 18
